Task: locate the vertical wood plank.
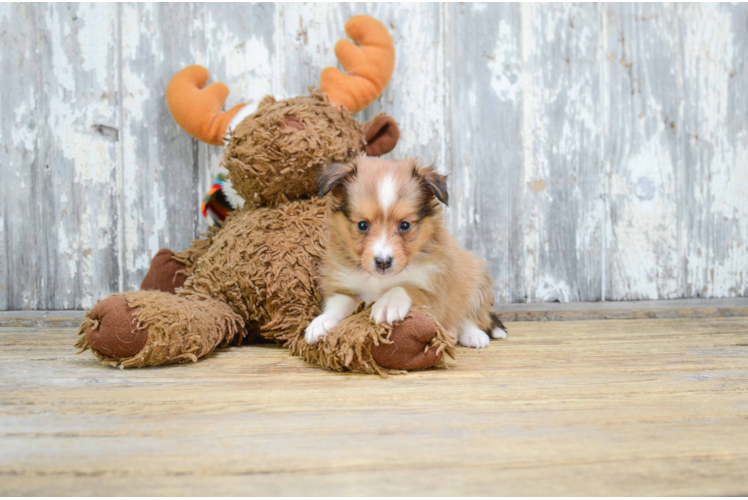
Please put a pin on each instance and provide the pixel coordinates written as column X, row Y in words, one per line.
column 20, row 274
column 484, row 81
column 59, row 219
column 644, row 153
column 80, row 143
column 713, row 205
column 307, row 33
column 563, row 207
column 160, row 168
column 525, row 147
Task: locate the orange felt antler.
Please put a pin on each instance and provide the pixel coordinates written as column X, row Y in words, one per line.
column 196, row 109
column 370, row 65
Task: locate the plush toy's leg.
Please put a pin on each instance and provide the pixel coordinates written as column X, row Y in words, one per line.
column 357, row 344
column 415, row 344
column 169, row 270
column 165, row 273
column 149, row 328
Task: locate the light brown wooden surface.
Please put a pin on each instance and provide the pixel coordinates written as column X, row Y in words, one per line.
column 539, row 311
column 654, row 406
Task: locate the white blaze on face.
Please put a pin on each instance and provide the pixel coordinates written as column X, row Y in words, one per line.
column 387, row 193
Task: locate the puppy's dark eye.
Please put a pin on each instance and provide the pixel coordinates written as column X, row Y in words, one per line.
column 404, row 226
column 363, row 226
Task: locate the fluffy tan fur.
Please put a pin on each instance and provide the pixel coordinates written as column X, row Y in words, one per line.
column 426, row 260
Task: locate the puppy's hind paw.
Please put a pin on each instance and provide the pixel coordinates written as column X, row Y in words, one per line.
column 498, row 333
column 474, row 337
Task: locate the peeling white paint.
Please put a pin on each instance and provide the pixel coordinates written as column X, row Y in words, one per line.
column 243, row 61
column 505, row 77
column 550, row 290
column 644, row 241
column 641, row 97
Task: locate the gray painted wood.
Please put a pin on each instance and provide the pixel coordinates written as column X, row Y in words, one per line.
column 160, row 170
column 594, row 152
column 676, row 161
column 644, row 162
column 714, row 41
column 484, row 139
column 60, row 157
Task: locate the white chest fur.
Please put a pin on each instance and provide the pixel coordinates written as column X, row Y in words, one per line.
column 370, row 288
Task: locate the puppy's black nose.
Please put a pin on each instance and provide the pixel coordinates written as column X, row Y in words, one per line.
column 383, row 263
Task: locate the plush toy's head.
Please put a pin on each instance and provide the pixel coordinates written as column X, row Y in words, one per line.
column 274, row 154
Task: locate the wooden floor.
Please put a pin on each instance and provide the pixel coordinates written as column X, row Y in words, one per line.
column 636, row 407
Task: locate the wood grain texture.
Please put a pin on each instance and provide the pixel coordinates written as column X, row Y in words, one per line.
column 59, row 163
column 640, row 407
column 484, row 137
column 647, row 173
column 715, row 143
column 676, row 150
column 539, row 311
column 159, row 185
column 594, row 152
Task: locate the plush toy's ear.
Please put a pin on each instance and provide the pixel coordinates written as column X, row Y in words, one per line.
column 433, row 181
column 382, row 135
column 331, row 176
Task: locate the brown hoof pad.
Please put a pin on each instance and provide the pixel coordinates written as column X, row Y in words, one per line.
column 409, row 339
column 117, row 335
column 164, row 275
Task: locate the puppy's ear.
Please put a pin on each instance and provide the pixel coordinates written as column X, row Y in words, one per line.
column 434, row 181
column 332, row 175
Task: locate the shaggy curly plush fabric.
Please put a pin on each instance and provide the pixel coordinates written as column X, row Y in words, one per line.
column 176, row 329
column 256, row 276
column 289, row 140
column 359, row 345
column 263, row 263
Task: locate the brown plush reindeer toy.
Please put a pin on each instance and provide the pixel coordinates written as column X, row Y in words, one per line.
column 257, row 275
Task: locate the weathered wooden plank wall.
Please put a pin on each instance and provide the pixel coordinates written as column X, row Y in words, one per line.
column 595, row 152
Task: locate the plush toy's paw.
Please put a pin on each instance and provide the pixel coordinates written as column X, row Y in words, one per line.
column 164, row 274
column 392, row 306
column 117, row 335
column 319, row 327
column 474, row 337
column 408, row 348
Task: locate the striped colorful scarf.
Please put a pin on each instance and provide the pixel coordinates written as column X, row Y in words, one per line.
column 216, row 203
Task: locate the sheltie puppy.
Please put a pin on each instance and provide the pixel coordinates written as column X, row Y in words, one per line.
column 388, row 245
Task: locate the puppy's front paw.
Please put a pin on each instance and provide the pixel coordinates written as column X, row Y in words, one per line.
column 319, row 327
column 474, row 337
column 392, row 306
